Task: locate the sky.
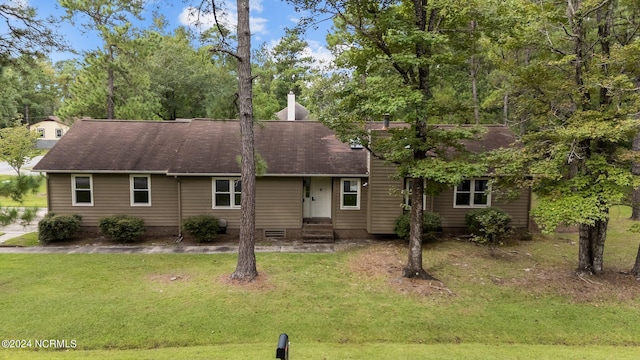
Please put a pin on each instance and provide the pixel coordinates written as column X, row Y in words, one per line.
column 269, row 19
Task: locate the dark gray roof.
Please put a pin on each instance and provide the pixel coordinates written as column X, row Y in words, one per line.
column 210, row 147
column 495, row 137
column 200, row 147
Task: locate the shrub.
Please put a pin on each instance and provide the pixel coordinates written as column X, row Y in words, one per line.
column 123, row 228
column 58, row 227
column 204, row 228
column 430, row 223
column 488, row 225
column 8, row 216
column 28, row 215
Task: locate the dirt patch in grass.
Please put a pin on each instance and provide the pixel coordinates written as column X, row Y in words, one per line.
column 385, row 261
column 259, row 284
column 612, row 285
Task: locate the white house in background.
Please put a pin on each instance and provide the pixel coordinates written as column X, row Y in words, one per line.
column 49, row 130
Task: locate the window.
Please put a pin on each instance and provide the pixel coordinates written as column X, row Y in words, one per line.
column 82, row 190
column 227, row 193
column 472, row 193
column 58, row 133
column 40, row 132
column 350, row 194
column 407, row 194
column 140, row 190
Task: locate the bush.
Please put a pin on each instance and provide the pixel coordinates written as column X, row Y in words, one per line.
column 123, row 228
column 204, row 228
column 488, row 225
column 430, row 223
column 58, row 227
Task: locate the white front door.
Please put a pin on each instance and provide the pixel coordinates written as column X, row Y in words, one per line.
column 317, row 198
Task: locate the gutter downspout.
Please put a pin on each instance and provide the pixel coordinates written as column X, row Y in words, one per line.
column 179, row 239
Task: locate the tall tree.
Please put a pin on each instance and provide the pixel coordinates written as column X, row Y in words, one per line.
column 390, row 49
column 292, row 66
column 584, row 99
column 246, row 267
column 111, row 19
column 29, row 90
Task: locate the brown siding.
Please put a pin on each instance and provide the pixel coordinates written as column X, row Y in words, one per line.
column 455, row 217
column 349, row 219
column 111, row 195
column 383, row 207
column 278, row 202
column 197, row 199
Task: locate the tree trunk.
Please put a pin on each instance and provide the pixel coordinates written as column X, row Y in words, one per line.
column 246, row 268
column 636, row 268
column 635, row 170
column 111, row 112
column 505, row 112
column 474, row 81
column 414, row 263
column 591, row 248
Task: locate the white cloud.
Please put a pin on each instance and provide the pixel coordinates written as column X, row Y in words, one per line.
column 228, row 17
column 321, row 55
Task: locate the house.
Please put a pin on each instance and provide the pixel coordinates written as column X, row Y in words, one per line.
column 49, row 130
column 166, row 172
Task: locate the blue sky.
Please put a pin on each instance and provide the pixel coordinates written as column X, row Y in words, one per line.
column 269, row 18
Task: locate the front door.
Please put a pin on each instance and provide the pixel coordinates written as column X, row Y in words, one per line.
column 317, row 197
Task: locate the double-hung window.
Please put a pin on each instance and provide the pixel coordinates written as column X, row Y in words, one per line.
column 82, row 190
column 350, row 194
column 472, row 193
column 408, row 183
column 58, row 133
column 40, row 132
column 140, row 190
column 227, row 193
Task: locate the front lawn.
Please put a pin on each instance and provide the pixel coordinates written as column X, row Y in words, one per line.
column 37, row 199
column 522, row 302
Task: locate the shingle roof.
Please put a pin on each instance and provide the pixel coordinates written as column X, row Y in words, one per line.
column 200, row 147
column 495, row 137
column 209, row 147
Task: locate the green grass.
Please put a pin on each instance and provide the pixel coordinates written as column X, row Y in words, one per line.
column 177, row 306
column 30, row 239
column 38, row 199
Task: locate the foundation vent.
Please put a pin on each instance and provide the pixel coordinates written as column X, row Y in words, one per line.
column 275, row 233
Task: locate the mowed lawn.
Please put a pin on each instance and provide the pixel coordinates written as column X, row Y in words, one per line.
column 522, row 302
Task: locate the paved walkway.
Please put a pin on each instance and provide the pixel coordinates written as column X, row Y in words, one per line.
column 178, row 249
column 14, row 230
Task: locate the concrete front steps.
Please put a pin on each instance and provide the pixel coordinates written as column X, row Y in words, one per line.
column 317, row 232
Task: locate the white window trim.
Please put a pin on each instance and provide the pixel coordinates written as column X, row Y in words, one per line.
column 471, row 193
column 342, row 193
column 41, row 132
column 73, row 190
column 232, row 193
column 407, row 194
column 59, row 133
column 132, row 190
